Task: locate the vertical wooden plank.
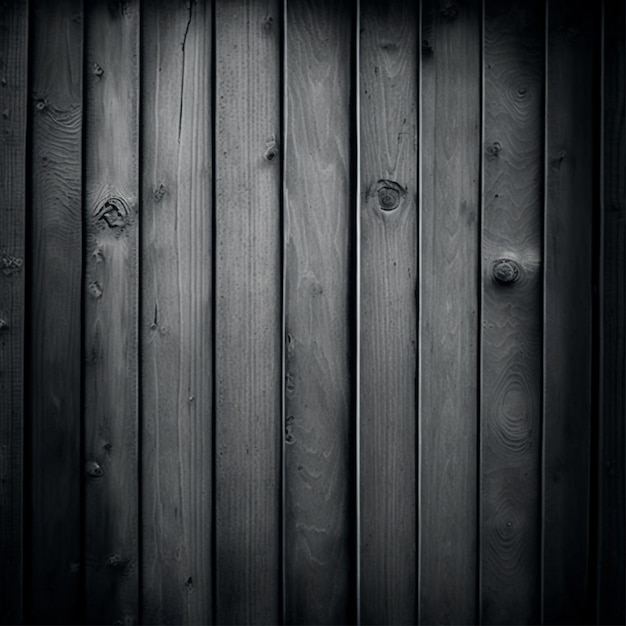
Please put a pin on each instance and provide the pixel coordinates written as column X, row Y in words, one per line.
column 55, row 355
column 611, row 600
column 176, row 327
column 318, row 422
column 248, row 311
column 451, row 79
column 388, row 337
column 511, row 347
column 13, row 108
column 570, row 207
column 111, row 299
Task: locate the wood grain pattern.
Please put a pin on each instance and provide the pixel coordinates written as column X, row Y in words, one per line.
column 450, row 123
column 388, row 338
column 111, row 302
column 176, row 329
column 248, row 310
column 611, row 599
column 319, row 435
column 55, row 300
column 511, row 338
column 570, row 205
column 13, row 113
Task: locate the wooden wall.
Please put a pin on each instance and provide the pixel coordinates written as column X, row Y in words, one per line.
column 312, row 312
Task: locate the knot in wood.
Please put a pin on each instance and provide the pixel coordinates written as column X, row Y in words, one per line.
column 97, row 70
column 115, row 213
column 389, row 194
column 449, row 12
column 506, row 271
column 271, row 150
column 94, row 469
column 494, row 149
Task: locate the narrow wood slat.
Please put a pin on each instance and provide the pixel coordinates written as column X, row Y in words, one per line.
column 13, row 113
column 111, row 302
column 571, row 63
column 319, row 530
column 511, row 346
column 388, row 337
column 176, row 329
column 55, row 304
column 451, row 49
column 248, row 311
column 611, row 600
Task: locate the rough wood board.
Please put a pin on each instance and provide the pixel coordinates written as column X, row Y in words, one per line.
column 570, row 206
column 248, row 311
column 611, row 600
column 450, row 123
column 388, row 338
column 319, row 435
column 512, row 229
column 13, row 113
column 111, row 299
column 176, row 328
column 55, row 304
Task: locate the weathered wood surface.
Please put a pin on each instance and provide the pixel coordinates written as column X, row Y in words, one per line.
column 56, row 99
column 13, row 114
column 319, row 434
column 611, row 583
column 176, row 326
column 111, row 302
column 511, row 335
column 449, row 288
column 388, row 317
column 570, row 206
column 248, row 311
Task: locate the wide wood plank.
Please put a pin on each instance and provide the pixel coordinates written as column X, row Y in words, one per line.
column 511, row 346
column 388, row 317
column 611, row 599
column 248, row 311
column 318, row 500
column 13, row 113
column 570, row 206
column 176, row 328
column 450, row 123
column 55, row 304
column 111, row 302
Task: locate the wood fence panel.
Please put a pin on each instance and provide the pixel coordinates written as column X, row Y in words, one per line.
column 388, row 318
column 611, row 583
column 248, row 301
column 511, row 335
column 319, row 435
column 176, row 328
column 56, row 105
column 111, row 303
column 449, row 357
column 570, row 206
column 13, row 113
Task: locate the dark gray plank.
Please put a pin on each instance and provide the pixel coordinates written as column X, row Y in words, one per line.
column 571, row 63
column 449, row 257
column 318, row 421
column 511, row 347
column 388, row 336
column 55, row 301
column 176, row 327
column 13, row 112
column 111, row 302
column 248, row 311
column 611, row 600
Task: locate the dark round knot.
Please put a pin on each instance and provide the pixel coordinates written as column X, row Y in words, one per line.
column 389, row 194
column 506, row 271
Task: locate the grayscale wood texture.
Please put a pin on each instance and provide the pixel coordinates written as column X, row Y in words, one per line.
column 248, row 311
column 56, row 105
column 388, row 71
column 319, row 432
column 511, row 329
column 111, row 223
column 567, row 411
column 176, row 322
column 449, row 315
